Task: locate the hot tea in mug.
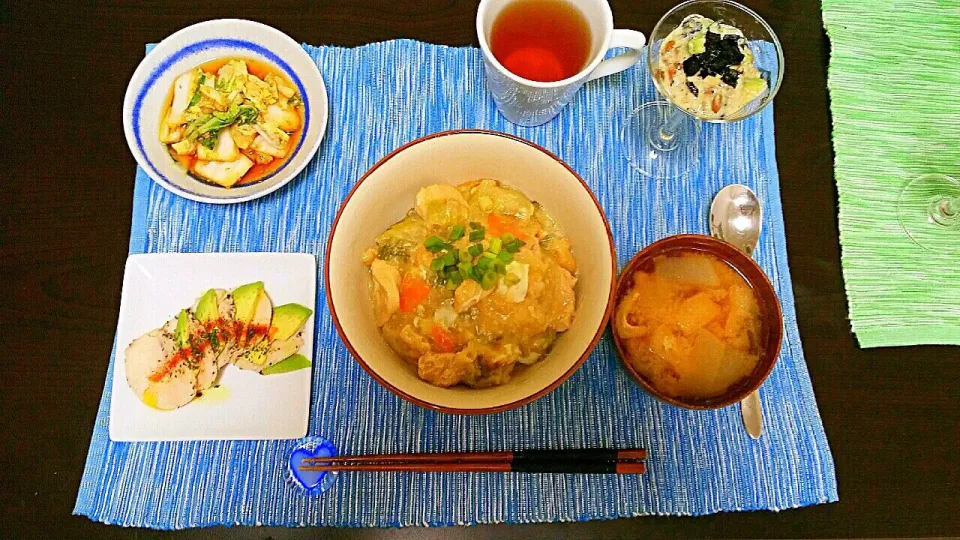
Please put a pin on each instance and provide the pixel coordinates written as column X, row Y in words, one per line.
column 541, row 40
column 538, row 53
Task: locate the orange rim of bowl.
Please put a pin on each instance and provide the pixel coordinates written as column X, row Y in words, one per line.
column 687, row 242
column 507, row 406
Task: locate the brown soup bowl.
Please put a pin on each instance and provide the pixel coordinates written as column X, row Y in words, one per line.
column 771, row 317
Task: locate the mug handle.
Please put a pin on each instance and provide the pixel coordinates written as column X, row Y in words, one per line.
column 631, row 39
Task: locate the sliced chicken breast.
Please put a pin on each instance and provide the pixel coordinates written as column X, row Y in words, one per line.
column 267, row 354
column 254, row 332
column 147, row 363
column 208, row 370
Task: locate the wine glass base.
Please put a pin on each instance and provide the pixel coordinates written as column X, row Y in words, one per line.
column 920, row 212
column 652, row 155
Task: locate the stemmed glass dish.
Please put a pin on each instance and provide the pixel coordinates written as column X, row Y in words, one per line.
column 661, row 137
column 929, row 211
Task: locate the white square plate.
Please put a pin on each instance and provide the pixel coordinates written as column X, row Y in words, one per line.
column 247, row 405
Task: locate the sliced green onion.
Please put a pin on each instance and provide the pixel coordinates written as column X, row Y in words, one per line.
column 466, row 268
column 495, row 245
column 474, row 225
column 483, row 264
column 499, row 267
column 475, row 250
column 507, row 238
column 520, row 243
column 488, row 280
column 505, row 257
column 434, row 243
column 512, row 247
column 197, row 95
column 437, row 264
column 477, row 235
column 511, row 279
column 450, row 285
column 456, row 233
column 488, row 255
column 449, row 258
column 465, row 254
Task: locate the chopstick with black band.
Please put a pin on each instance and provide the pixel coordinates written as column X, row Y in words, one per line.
column 581, row 461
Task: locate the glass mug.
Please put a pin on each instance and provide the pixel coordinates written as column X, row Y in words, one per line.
column 531, row 103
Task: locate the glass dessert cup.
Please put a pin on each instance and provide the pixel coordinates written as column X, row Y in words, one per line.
column 661, row 139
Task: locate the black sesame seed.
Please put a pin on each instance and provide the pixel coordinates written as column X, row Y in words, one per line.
column 693, row 89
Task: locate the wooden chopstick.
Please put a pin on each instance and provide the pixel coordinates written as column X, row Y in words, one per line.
column 591, row 454
column 584, row 461
column 596, row 467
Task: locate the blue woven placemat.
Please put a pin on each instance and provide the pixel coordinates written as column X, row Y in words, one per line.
column 381, row 96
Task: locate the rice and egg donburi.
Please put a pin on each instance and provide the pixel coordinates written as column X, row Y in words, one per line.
column 474, row 282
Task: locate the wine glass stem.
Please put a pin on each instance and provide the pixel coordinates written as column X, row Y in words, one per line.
column 946, row 211
column 672, row 124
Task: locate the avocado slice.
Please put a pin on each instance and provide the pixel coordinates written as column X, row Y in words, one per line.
column 698, row 44
column 245, row 298
column 754, row 85
column 207, row 307
column 288, row 319
column 182, row 334
column 291, row 363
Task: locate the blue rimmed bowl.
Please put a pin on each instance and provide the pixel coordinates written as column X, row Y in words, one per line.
column 195, row 45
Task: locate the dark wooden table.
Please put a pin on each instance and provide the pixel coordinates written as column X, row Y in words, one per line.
column 66, row 177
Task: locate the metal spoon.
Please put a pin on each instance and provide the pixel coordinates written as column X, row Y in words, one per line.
column 736, row 218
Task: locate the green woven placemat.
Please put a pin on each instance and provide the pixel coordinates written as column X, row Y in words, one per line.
column 894, row 82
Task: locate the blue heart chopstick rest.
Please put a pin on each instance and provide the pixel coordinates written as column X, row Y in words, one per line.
column 313, row 482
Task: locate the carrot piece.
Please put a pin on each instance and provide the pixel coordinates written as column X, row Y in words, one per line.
column 442, row 339
column 673, row 71
column 413, row 291
column 497, row 225
column 669, row 46
column 716, row 103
